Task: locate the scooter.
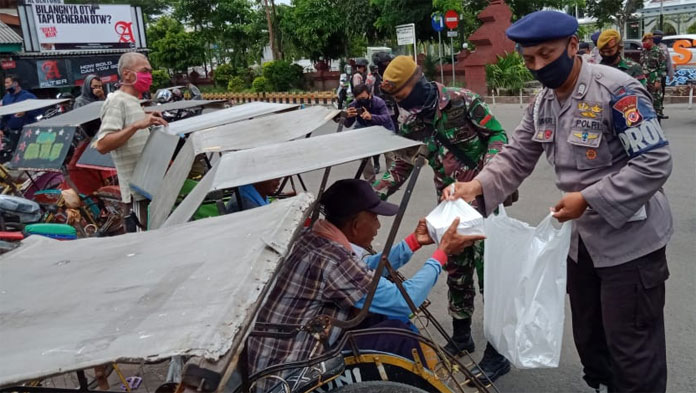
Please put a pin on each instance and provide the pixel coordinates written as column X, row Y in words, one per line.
column 343, row 92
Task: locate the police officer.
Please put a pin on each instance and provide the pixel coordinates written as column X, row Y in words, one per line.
column 610, row 48
column 600, row 133
column 461, row 135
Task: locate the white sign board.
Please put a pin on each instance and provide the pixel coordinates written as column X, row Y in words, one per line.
column 452, row 33
column 406, row 34
column 76, row 26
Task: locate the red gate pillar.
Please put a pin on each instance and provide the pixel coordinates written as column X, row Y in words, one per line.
column 490, row 41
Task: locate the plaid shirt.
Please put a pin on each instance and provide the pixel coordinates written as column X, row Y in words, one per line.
column 318, row 277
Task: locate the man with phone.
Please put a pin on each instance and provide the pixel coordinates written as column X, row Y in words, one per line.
column 366, row 111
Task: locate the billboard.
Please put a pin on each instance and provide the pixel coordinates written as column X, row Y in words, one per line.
column 82, row 27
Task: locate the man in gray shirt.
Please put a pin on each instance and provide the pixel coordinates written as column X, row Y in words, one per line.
column 125, row 126
column 597, row 128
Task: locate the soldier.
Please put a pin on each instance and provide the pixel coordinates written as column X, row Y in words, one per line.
column 654, row 67
column 461, row 136
column 601, row 135
column 657, row 39
column 610, row 48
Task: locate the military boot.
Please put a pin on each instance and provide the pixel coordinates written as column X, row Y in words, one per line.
column 492, row 366
column 461, row 336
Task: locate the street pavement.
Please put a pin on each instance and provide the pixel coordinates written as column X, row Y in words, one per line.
column 537, row 194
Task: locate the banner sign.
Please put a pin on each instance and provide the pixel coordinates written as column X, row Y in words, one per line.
column 104, row 66
column 78, row 27
column 43, row 148
column 53, row 73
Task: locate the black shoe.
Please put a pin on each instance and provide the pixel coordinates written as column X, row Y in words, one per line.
column 663, row 117
column 461, row 336
column 491, row 367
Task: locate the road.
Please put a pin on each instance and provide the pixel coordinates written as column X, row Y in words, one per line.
column 537, row 194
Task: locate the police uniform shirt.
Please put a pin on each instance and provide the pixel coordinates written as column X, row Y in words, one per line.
column 604, row 141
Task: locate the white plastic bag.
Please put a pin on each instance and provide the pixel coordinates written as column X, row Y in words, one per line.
column 524, row 289
column 440, row 219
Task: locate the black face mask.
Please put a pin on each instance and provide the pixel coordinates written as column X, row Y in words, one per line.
column 555, row 73
column 610, row 60
column 364, row 103
column 418, row 96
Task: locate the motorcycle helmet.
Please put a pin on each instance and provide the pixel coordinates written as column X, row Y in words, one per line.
column 163, row 96
column 361, row 62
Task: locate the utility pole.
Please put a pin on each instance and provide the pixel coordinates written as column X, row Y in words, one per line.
column 662, row 18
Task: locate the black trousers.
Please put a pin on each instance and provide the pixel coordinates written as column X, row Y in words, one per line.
column 618, row 321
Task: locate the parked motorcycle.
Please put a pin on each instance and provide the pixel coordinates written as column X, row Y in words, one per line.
column 20, row 217
column 343, row 92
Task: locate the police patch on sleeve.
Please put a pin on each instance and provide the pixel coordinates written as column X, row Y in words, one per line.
column 635, row 123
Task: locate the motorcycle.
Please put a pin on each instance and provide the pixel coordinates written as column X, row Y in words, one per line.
column 20, row 217
column 173, row 94
column 343, row 92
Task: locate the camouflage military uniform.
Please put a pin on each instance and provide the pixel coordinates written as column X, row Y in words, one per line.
column 655, row 69
column 632, row 68
column 466, row 123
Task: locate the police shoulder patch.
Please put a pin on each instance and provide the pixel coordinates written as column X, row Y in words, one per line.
column 635, row 123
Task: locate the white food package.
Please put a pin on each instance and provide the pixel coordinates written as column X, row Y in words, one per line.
column 440, row 219
column 524, row 276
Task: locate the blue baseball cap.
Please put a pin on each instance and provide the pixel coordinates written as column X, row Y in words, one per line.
column 542, row 26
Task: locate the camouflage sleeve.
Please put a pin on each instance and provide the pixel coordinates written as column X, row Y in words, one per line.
column 637, row 72
column 482, row 117
column 393, row 178
column 662, row 64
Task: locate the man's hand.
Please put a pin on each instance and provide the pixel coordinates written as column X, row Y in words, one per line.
column 351, row 111
column 570, row 207
column 468, row 191
column 20, row 114
column 658, row 85
column 422, row 234
column 453, row 243
column 151, row 119
column 366, row 115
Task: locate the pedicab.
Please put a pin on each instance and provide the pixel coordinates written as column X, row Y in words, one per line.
column 193, row 289
column 48, row 152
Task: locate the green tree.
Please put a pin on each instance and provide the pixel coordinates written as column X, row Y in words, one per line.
column 508, row 73
column 397, row 12
column 316, row 28
column 613, row 12
column 178, row 51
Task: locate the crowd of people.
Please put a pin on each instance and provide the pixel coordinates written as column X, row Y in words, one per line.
column 597, row 122
column 652, row 71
